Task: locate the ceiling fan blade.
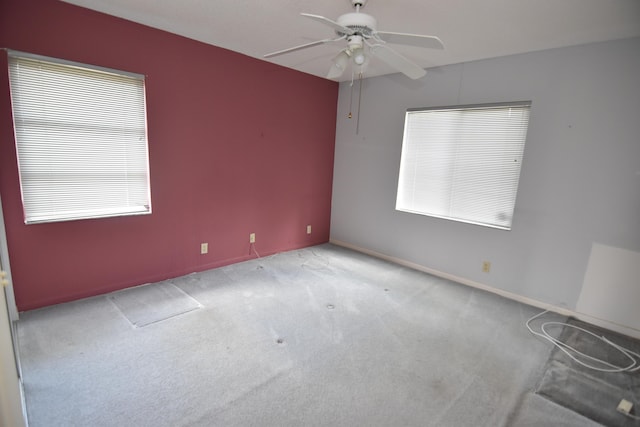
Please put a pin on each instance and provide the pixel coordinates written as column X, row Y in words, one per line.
column 326, row 21
column 302, row 46
column 397, row 61
column 339, row 65
column 431, row 42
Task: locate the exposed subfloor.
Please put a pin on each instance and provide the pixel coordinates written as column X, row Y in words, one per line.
column 321, row 336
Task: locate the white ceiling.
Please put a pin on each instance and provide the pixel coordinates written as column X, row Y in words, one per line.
column 470, row 29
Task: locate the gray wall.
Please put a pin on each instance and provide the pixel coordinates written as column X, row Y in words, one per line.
column 580, row 179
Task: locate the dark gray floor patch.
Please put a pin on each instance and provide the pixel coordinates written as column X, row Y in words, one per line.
column 591, row 393
column 144, row 305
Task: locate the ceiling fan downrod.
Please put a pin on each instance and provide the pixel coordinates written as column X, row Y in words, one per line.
column 357, row 4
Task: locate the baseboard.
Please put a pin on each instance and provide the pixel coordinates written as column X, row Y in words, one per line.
column 623, row 329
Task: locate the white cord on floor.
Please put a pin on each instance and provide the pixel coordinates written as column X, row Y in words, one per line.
column 635, row 417
column 253, row 247
column 634, row 358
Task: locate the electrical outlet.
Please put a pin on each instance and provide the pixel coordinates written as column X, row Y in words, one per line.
column 486, row 266
column 308, row 229
column 252, row 238
column 204, row 248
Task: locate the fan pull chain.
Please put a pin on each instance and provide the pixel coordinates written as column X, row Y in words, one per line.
column 350, row 97
column 359, row 101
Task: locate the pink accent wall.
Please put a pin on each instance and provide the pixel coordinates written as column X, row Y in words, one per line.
column 236, row 145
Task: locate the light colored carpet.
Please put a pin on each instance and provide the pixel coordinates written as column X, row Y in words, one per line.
column 321, row 336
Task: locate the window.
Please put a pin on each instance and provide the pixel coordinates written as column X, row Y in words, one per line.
column 463, row 163
column 81, row 139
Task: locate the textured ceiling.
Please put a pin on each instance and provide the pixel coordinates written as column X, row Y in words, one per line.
column 470, row 29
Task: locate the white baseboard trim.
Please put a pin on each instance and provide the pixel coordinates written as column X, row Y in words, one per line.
column 626, row 330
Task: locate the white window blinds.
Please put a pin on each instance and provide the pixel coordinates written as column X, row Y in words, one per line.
column 463, row 163
column 81, row 140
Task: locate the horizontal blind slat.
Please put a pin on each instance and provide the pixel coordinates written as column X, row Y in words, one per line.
column 81, row 141
column 463, row 163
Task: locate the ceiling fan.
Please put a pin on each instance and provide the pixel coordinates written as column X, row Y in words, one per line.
column 365, row 41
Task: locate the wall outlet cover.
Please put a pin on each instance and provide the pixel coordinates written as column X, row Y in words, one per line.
column 486, row 267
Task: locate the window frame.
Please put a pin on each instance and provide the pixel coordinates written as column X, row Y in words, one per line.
column 138, row 150
column 401, row 203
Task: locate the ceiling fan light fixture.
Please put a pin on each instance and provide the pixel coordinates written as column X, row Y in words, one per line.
column 356, row 49
column 358, row 56
column 342, row 60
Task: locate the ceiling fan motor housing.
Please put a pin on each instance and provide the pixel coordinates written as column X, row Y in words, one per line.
column 363, row 24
